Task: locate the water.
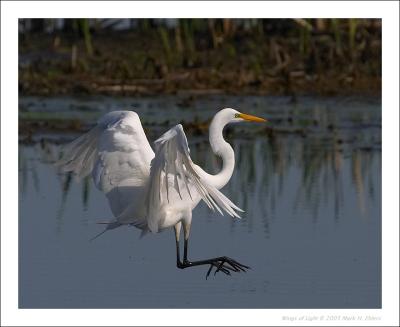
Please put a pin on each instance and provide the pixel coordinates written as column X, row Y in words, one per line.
column 311, row 231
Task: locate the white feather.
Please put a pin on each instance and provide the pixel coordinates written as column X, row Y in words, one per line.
column 172, row 159
column 117, row 154
column 150, row 191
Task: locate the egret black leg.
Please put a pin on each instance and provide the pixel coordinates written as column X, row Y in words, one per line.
column 185, row 251
column 178, row 256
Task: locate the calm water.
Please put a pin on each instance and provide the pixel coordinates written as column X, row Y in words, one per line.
column 311, row 230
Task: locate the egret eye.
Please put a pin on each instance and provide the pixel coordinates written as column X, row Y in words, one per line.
column 237, row 115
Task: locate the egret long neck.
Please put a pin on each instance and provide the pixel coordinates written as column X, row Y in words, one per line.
column 222, row 149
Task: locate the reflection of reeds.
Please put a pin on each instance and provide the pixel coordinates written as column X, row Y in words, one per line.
column 313, row 172
column 22, row 170
column 358, row 179
column 66, row 180
column 337, row 164
column 66, row 185
column 25, row 166
column 35, row 177
column 85, row 191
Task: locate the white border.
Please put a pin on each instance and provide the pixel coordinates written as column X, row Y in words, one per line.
column 11, row 11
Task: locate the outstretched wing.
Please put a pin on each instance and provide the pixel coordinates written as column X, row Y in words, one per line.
column 172, row 160
column 123, row 151
column 115, row 150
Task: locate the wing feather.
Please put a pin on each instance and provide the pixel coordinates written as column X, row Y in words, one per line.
column 124, row 151
column 172, row 158
column 115, row 151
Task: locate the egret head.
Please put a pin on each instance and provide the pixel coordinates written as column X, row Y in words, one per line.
column 234, row 116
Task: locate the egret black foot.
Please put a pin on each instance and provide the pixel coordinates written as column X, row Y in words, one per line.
column 186, row 264
column 181, row 265
column 226, row 265
column 223, row 264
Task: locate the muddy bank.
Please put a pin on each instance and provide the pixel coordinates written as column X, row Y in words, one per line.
column 339, row 57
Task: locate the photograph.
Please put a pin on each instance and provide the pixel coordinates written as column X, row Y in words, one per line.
column 204, row 163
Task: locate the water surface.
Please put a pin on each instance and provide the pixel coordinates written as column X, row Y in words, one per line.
column 310, row 188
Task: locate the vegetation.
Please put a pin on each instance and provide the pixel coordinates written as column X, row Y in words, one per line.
column 148, row 56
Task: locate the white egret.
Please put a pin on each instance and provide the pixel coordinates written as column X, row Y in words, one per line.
column 156, row 190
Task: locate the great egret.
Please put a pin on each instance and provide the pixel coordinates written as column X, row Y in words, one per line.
column 156, row 190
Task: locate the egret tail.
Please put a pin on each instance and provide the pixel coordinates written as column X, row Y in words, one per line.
column 110, row 226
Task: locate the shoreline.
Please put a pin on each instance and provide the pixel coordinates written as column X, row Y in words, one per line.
column 304, row 86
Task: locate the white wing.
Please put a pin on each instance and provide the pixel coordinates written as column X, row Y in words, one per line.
column 172, row 159
column 123, row 151
column 115, row 151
